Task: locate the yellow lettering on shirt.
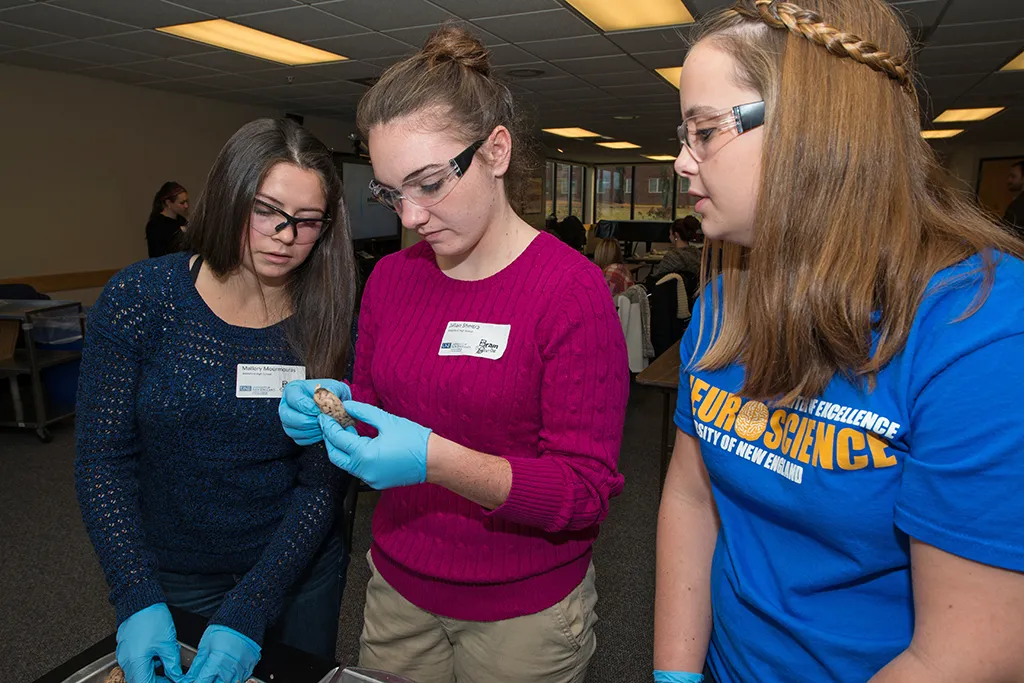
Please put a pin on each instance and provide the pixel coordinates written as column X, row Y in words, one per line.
column 879, row 458
column 823, row 441
column 848, row 443
column 697, row 389
column 727, row 415
column 792, row 422
column 773, row 438
column 805, row 442
column 710, row 405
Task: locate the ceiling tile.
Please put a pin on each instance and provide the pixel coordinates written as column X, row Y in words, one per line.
column 95, row 53
column 322, row 73
column 113, row 73
column 550, row 24
column 383, row 16
column 166, row 68
column 7, row 4
column 936, row 56
column 475, row 9
column 155, row 44
column 417, row 35
column 981, row 32
column 593, row 65
column 572, row 48
column 227, row 82
column 65, row 22
column 552, row 84
column 942, row 86
column 300, row 23
column 653, row 40
column 999, row 83
column 624, row 78
column 39, row 60
column 232, row 62
column 509, row 55
column 19, row 37
column 138, row 13
column 365, row 46
column 183, row 87
column 963, row 11
column 244, row 97
column 330, row 100
column 658, row 60
column 628, row 91
column 233, row 8
column 292, row 92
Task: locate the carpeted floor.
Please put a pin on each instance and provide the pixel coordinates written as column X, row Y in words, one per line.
column 53, row 600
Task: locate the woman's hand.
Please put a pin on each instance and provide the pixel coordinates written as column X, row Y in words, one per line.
column 224, row 656
column 145, row 639
column 298, row 411
column 397, row 456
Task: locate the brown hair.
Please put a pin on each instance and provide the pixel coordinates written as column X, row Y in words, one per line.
column 607, row 252
column 687, row 229
column 452, row 72
column 854, row 214
column 322, row 289
column 169, row 190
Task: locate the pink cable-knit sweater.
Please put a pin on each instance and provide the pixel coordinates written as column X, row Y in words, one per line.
column 553, row 405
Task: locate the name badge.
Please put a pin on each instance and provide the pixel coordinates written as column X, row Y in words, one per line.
column 481, row 340
column 257, row 380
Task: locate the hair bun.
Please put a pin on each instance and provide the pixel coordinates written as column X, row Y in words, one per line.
column 455, row 44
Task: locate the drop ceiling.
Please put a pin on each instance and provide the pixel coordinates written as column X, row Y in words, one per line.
column 587, row 77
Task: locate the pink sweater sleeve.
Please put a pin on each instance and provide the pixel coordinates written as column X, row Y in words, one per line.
column 584, row 391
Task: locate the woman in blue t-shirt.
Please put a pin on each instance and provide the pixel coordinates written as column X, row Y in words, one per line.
column 191, row 493
column 844, row 499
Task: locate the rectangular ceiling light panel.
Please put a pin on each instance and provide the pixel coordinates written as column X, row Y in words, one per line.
column 979, row 114
column 624, row 15
column 249, row 41
column 572, row 132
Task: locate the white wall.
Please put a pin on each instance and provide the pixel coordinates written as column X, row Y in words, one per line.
column 963, row 160
column 82, row 158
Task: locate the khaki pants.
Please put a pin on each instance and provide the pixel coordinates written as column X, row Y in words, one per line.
column 553, row 646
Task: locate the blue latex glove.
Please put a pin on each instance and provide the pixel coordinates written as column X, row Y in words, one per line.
column 397, row 456
column 224, row 656
column 145, row 639
column 677, row 677
column 298, row 411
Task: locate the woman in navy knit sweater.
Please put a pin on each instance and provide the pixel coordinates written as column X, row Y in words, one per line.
column 191, row 493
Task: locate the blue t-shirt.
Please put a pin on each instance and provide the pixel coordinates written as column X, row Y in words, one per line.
column 810, row 579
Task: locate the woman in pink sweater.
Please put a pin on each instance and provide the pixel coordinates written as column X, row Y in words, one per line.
column 491, row 367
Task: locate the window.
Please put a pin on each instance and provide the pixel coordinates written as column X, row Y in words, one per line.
column 576, row 192
column 654, row 200
column 613, row 197
column 561, row 209
column 684, row 202
column 549, row 186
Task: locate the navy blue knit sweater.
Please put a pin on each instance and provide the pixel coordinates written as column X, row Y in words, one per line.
column 173, row 472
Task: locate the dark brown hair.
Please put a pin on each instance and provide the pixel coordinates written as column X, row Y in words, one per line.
column 687, row 229
column 168, row 190
column 854, row 214
column 322, row 289
column 453, row 73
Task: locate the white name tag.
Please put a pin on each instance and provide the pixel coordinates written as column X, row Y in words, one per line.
column 257, row 380
column 482, row 340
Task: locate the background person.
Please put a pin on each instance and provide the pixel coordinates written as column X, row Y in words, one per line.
column 165, row 231
column 608, row 257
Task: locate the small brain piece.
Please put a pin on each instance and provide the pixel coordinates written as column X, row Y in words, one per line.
column 116, row 675
column 331, row 405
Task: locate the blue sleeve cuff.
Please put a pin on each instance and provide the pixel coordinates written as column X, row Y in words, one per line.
column 677, row 677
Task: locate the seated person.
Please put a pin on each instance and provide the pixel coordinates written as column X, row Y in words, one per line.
column 684, row 256
column 608, row 256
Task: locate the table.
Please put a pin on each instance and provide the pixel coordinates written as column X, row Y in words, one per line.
column 663, row 374
column 277, row 662
column 31, row 360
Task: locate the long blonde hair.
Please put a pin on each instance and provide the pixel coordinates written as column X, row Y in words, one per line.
column 607, row 252
column 854, row 213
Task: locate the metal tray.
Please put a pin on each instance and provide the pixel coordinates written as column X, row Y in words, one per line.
column 97, row 671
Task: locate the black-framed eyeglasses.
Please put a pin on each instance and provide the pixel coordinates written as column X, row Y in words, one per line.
column 266, row 220
column 430, row 189
column 705, row 134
